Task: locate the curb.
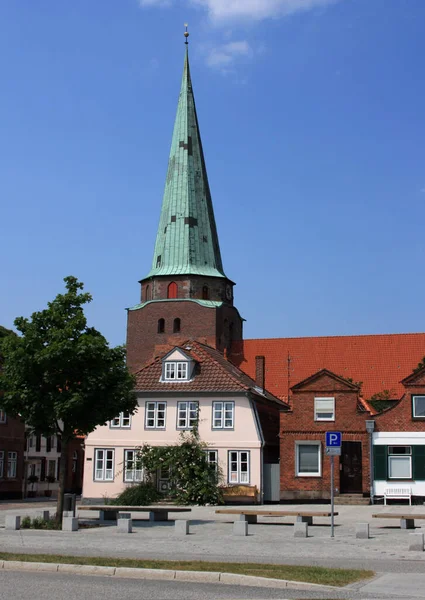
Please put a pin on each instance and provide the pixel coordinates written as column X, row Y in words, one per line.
column 190, row 576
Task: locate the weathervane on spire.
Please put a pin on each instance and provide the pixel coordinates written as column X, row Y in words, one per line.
column 186, row 33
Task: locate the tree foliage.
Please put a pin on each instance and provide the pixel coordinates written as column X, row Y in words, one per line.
column 193, row 480
column 60, row 376
column 420, row 366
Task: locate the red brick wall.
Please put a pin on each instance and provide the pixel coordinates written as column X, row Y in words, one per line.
column 206, row 325
column 299, row 425
column 12, row 439
column 188, row 287
column 400, row 417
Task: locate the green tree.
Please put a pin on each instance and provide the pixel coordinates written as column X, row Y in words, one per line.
column 420, row 366
column 61, row 377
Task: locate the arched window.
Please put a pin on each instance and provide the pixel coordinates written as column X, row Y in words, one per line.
column 148, row 293
column 172, row 290
column 205, row 293
column 176, row 326
column 161, row 325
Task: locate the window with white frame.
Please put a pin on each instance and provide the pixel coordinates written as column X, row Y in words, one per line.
column 155, row 415
column 399, row 462
column 324, row 409
column 187, row 414
column 1, row 463
column 176, row 371
column 12, row 461
column 223, row 415
column 132, row 468
column 122, row 421
column 104, row 464
column 212, row 458
column 418, row 409
column 238, row 466
column 308, row 459
column 2, row 416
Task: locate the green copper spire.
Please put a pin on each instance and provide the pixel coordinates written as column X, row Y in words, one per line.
column 187, row 241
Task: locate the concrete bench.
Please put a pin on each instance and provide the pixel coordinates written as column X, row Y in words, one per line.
column 398, row 493
column 251, row 516
column 111, row 512
column 407, row 521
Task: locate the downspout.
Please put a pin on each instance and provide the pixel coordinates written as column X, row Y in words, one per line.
column 261, row 438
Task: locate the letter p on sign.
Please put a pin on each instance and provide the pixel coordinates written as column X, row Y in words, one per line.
column 333, row 439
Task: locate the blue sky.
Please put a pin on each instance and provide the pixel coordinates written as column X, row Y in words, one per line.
column 311, row 114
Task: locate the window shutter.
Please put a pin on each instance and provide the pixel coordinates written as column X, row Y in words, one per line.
column 418, row 457
column 43, row 469
column 380, row 462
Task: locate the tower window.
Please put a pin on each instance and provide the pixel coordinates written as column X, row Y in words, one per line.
column 161, row 325
column 176, row 326
column 205, row 293
column 158, row 261
column 148, row 293
column 172, row 290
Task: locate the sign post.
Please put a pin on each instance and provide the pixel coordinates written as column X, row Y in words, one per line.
column 333, row 448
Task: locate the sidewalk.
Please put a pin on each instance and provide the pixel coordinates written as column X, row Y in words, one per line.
column 271, row 540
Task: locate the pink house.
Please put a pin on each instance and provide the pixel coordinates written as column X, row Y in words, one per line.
column 191, row 384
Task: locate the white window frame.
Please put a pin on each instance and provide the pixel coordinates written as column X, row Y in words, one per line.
column 297, row 458
column 3, row 417
column 237, row 476
column 414, row 406
column 12, row 464
column 394, row 456
column 185, row 420
column 152, row 410
column 317, row 410
column 176, row 370
column 103, row 473
column 1, row 463
column 123, row 421
column 132, row 474
column 220, row 411
column 212, row 457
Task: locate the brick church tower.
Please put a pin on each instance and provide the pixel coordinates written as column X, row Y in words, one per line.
column 186, row 294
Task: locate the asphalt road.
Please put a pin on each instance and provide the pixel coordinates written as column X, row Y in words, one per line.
column 15, row 585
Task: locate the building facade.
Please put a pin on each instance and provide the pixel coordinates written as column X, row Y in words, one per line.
column 12, row 448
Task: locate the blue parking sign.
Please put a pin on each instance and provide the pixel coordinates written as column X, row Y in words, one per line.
column 333, row 439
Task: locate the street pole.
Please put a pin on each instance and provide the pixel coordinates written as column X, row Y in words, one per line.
column 371, row 467
column 332, row 496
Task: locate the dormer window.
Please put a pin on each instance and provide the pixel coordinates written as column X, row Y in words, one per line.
column 176, row 370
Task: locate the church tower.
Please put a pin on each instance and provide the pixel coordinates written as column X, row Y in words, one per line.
column 186, row 294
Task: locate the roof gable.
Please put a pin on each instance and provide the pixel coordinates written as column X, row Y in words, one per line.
column 417, row 378
column 325, row 381
column 176, row 354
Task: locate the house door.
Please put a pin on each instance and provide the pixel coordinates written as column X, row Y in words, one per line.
column 351, row 468
column 271, row 482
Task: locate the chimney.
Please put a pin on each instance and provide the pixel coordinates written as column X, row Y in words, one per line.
column 260, row 372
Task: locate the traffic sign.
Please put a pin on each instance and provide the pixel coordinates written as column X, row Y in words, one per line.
column 333, row 451
column 333, row 439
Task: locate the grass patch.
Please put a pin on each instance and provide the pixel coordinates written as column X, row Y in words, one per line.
column 322, row 575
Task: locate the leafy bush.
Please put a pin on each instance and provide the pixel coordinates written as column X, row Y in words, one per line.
column 26, row 522
column 137, row 495
column 193, row 480
column 40, row 523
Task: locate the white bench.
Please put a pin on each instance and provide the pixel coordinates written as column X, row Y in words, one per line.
column 398, row 493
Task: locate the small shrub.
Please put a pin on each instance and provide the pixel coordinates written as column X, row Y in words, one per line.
column 26, row 522
column 40, row 523
column 137, row 495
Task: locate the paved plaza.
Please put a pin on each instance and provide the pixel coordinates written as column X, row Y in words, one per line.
column 271, row 540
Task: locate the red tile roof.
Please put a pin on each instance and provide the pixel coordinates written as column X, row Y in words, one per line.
column 213, row 373
column 379, row 361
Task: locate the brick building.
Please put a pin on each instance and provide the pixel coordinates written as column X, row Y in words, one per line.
column 12, row 447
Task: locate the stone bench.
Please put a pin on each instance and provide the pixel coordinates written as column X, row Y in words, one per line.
column 251, row 516
column 407, row 520
column 109, row 513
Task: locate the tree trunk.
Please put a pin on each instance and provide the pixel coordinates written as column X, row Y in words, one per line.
column 63, row 470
